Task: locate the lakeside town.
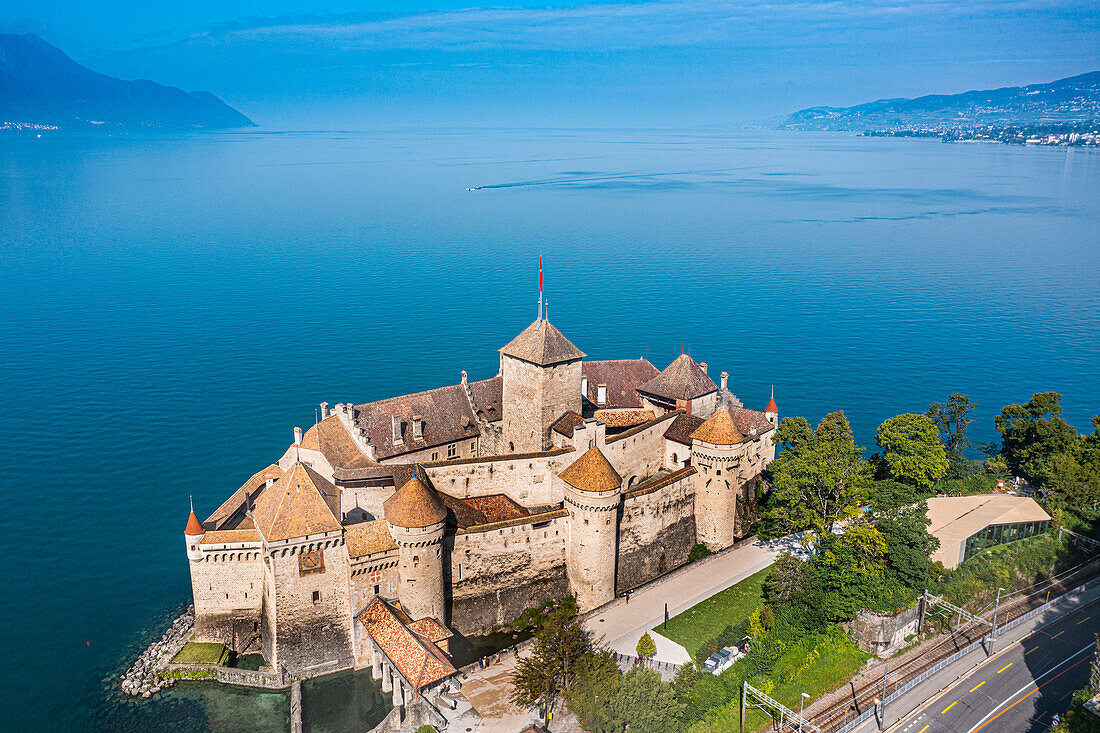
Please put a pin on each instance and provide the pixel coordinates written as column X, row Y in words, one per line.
column 1086, row 135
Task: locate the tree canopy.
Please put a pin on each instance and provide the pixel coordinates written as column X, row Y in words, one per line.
column 951, row 419
column 1033, row 433
column 818, row 476
column 911, row 449
column 551, row 667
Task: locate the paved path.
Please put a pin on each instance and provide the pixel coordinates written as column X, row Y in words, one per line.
column 1036, row 669
column 621, row 624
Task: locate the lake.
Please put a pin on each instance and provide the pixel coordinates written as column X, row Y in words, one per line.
column 175, row 305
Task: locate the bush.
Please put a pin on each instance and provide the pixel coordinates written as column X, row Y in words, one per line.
column 698, row 552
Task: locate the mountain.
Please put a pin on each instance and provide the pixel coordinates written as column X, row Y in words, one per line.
column 1075, row 99
column 39, row 84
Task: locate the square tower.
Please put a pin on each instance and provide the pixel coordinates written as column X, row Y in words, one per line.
column 541, row 372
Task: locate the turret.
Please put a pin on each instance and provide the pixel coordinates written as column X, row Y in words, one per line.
column 193, row 535
column 593, row 493
column 417, row 518
column 716, row 454
column 772, row 411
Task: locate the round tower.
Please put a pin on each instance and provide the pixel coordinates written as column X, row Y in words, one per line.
column 593, row 492
column 771, row 412
column 417, row 519
column 716, row 455
column 193, row 535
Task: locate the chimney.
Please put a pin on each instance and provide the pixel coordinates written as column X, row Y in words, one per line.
column 584, row 385
column 324, row 410
column 725, row 381
column 464, row 376
column 268, row 484
column 703, row 366
column 397, row 430
column 418, row 427
column 297, row 436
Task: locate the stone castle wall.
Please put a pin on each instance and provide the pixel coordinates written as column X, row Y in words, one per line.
column 656, row 531
column 533, row 398
column 638, row 453
column 527, row 480
column 497, row 571
column 314, row 633
column 227, row 585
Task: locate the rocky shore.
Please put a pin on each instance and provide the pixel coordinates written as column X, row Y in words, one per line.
column 142, row 679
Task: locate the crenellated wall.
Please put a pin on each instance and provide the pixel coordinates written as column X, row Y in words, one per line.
column 656, row 529
column 526, row 479
column 227, row 585
column 498, row 570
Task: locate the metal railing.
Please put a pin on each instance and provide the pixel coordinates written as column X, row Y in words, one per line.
column 914, row 681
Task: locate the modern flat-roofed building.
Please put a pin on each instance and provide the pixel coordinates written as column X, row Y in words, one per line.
column 966, row 525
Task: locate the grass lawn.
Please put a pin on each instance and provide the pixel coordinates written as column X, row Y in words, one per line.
column 195, row 652
column 709, row 618
column 816, row 665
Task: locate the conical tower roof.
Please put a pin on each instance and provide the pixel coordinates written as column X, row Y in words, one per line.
column 718, row 429
column 542, row 344
column 298, row 504
column 592, row 472
column 683, row 379
column 414, row 505
column 772, row 407
column 194, row 526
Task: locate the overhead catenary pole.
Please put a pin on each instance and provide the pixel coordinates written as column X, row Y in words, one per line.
column 882, row 709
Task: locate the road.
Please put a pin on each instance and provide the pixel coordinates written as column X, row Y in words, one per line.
column 1021, row 687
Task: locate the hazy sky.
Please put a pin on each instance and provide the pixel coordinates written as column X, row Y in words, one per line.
column 292, row 63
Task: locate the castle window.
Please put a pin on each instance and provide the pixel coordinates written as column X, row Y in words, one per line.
column 452, row 451
column 586, row 521
column 377, row 589
column 435, row 455
column 460, row 571
column 511, row 447
column 316, row 596
column 416, row 559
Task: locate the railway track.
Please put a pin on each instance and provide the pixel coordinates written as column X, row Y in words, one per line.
column 914, row 663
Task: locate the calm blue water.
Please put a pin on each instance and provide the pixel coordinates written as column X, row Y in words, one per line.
column 173, row 307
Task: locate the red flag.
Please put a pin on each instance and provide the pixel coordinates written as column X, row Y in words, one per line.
column 540, row 273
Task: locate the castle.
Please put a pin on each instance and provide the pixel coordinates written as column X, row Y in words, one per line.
column 390, row 525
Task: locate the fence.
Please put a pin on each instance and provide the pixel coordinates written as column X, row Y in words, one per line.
column 667, row 669
column 911, row 683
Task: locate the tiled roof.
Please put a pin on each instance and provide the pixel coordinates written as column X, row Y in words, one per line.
column 368, row 538
column 624, row 418
column 543, row 344
column 591, row 472
column 416, row 657
column 330, row 438
column 683, row 379
column 445, row 412
column 231, row 513
column 718, row 429
column 750, row 423
column 431, row 629
column 622, row 378
column 565, row 424
column 772, row 407
column 299, row 504
column 194, row 526
column 414, row 505
column 478, row 510
column 683, row 425
column 227, row 536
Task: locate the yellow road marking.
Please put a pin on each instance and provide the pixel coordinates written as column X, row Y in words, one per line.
column 1086, row 618
column 924, row 728
column 949, row 707
column 977, row 685
column 1002, row 669
column 1029, row 651
column 1058, row 634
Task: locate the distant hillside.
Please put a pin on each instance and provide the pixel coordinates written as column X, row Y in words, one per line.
column 39, row 84
column 1071, row 100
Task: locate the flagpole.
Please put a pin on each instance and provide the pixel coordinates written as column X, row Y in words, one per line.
column 540, row 288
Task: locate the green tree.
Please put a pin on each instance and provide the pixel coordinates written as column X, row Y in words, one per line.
column 818, row 476
column 646, row 704
column 911, row 449
column 909, row 545
column 951, row 419
column 1033, row 433
column 550, row 669
column 1070, row 484
column 790, row 579
column 646, row 646
column 591, row 697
